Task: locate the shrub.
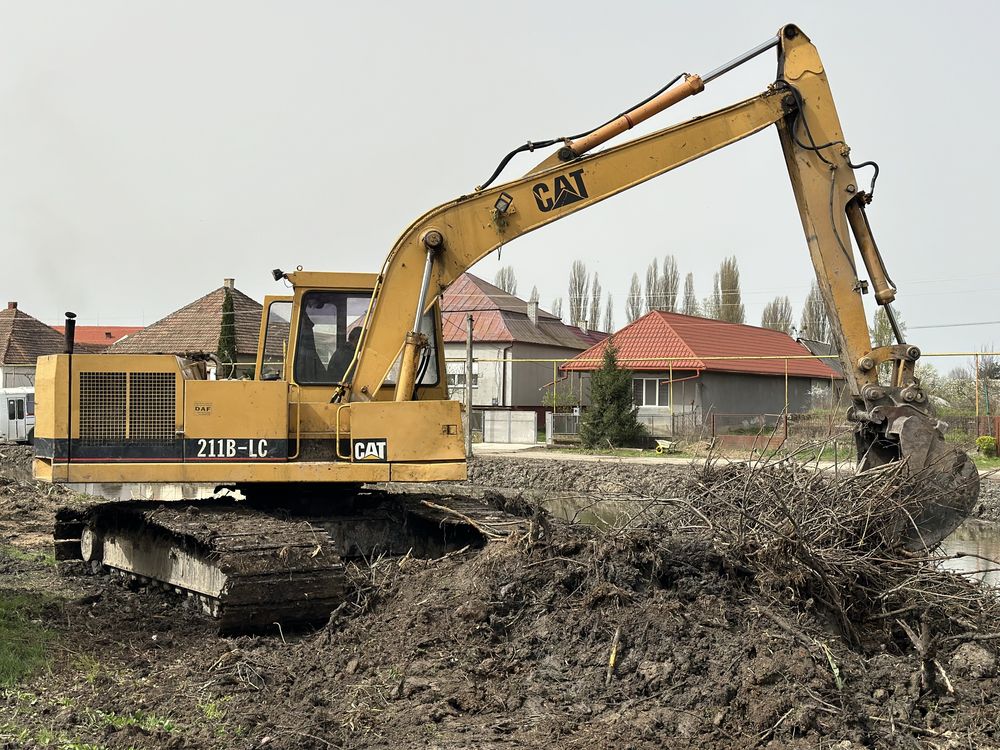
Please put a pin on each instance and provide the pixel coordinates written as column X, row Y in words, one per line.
column 987, row 446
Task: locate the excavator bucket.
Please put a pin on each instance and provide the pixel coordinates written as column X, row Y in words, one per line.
column 947, row 477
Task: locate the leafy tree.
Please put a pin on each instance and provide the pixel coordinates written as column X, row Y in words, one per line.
column 227, row 333
column 731, row 301
column 633, row 305
column 881, row 330
column 778, row 315
column 612, row 415
column 505, row 280
column 814, row 323
column 609, row 315
column 578, row 283
column 690, row 306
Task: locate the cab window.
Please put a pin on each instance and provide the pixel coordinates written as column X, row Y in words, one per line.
column 279, row 316
column 330, row 324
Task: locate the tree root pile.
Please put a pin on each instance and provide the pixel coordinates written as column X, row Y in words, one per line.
column 767, row 609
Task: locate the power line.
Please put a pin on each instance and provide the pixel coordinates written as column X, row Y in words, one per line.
column 957, row 325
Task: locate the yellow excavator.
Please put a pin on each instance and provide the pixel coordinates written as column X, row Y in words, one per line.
column 350, row 385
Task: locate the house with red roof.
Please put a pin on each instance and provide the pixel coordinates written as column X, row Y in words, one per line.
column 685, row 365
column 506, row 328
column 98, row 338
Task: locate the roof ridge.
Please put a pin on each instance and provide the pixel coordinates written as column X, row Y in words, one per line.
column 694, row 355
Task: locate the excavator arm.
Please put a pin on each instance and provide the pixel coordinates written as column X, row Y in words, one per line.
column 893, row 420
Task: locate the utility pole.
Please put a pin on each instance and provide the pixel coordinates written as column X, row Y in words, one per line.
column 468, row 386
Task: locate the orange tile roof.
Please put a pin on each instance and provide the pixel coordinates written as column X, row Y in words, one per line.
column 100, row 336
column 691, row 343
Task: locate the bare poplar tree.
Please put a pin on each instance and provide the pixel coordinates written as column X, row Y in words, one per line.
column 609, row 315
column 814, row 323
column 534, row 294
column 711, row 307
column 652, row 286
column 594, row 316
column 557, row 307
column 670, row 284
column 731, row 309
column 778, row 315
column 633, row 305
column 578, row 282
column 505, row 280
column 690, row 306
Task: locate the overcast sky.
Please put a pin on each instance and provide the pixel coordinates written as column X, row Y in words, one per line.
column 149, row 149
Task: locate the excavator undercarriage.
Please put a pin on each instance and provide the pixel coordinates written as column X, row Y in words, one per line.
column 254, row 562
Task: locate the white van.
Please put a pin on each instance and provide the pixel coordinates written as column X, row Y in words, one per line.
column 17, row 414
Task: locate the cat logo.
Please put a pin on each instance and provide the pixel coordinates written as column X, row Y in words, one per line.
column 370, row 450
column 562, row 193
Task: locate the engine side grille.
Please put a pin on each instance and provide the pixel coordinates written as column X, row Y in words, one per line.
column 152, row 401
column 102, row 407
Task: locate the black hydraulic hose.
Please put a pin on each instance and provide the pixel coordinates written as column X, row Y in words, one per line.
column 532, row 145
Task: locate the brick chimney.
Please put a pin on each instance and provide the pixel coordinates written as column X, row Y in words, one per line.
column 582, row 325
column 533, row 312
column 11, row 305
column 229, row 283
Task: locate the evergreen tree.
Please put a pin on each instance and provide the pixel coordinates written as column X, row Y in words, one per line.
column 611, row 415
column 227, row 333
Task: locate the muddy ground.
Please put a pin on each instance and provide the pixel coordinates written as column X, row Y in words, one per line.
column 562, row 637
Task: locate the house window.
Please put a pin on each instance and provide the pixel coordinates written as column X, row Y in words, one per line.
column 651, row 391
column 456, row 374
column 457, row 379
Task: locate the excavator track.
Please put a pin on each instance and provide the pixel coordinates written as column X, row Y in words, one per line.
column 252, row 567
column 246, row 567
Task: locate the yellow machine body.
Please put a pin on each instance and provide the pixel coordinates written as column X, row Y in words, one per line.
column 158, row 419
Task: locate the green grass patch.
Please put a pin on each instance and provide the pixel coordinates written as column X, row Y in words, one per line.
column 146, row 722
column 983, row 462
column 28, row 555
column 24, row 641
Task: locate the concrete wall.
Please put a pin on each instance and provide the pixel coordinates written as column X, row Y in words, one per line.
column 511, row 382
column 736, row 393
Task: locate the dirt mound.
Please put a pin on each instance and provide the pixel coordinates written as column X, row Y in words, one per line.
column 713, row 627
column 603, row 477
column 768, row 608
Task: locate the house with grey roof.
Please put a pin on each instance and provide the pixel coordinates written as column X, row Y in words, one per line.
column 514, row 343
column 23, row 339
